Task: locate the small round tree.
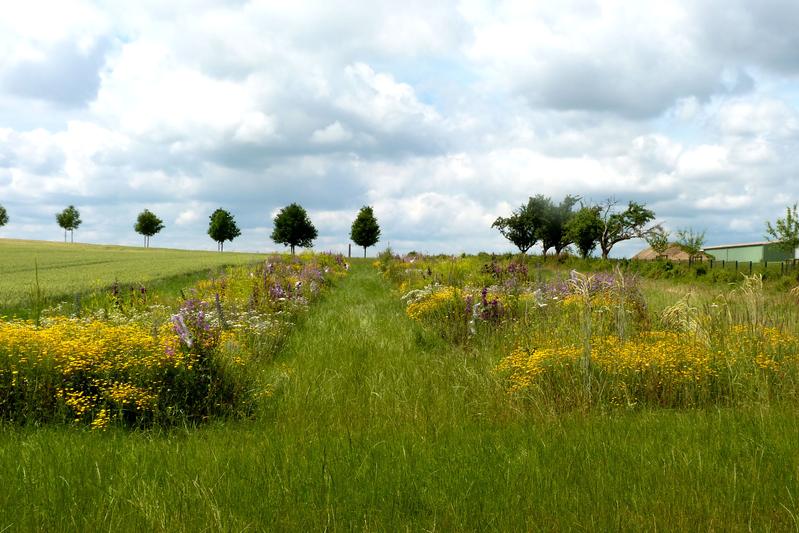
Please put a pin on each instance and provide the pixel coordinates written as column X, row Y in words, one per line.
column 658, row 240
column 222, row 228
column 148, row 224
column 365, row 229
column 3, row 216
column 69, row 219
column 691, row 242
column 292, row 227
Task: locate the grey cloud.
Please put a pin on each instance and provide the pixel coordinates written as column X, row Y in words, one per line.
column 68, row 76
column 759, row 33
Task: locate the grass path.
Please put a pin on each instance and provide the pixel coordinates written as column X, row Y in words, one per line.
column 377, row 425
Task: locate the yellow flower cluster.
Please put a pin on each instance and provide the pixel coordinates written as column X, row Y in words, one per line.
column 90, row 364
column 657, row 361
column 73, row 346
column 525, row 365
column 437, row 302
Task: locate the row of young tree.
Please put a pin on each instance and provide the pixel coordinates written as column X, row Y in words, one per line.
column 292, row 226
column 555, row 226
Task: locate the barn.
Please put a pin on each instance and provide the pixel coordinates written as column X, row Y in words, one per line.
column 755, row 252
column 673, row 253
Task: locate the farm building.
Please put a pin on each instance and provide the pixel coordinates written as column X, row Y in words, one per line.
column 674, row 253
column 754, row 251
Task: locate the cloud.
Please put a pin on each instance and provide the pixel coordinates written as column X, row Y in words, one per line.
column 442, row 115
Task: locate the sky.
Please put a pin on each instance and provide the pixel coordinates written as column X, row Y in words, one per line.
column 441, row 115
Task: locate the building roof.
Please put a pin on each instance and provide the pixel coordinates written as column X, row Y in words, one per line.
column 742, row 245
column 673, row 252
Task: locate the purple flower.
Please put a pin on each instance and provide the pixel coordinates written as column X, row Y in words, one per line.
column 179, row 325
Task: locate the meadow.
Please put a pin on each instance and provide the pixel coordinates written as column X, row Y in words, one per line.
column 374, row 410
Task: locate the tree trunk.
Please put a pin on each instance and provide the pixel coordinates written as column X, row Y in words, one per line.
column 222, row 246
column 65, row 234
column 292, row 249
column 72, row 236
column 364, row 252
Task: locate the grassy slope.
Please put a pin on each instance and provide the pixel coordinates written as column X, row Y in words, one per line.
column 65, row 269
column 379, row 426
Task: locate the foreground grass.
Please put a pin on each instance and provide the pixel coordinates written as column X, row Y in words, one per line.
column 376, row 425
column 66, row 269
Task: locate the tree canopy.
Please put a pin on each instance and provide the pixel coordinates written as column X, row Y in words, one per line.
column 584, row 228
column 658, row 240
column 523, row 227
column 785, row 230
column 3, row 216
column 148, row 224
column 618, row 226
column 293, row 227
column 222, row 227
column 69, row 219
column 553, row 230
column 365, row 230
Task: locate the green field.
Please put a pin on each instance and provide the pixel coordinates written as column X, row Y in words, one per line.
column 67, row 269
column 376, row 423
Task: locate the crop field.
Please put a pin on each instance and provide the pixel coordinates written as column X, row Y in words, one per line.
column 67, row 269
column 408, row 393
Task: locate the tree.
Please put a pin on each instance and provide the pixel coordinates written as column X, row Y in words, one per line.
column 658, row 240
column 292, row 227
column 584, row 229
column 691, row 242
column 148, row 224
column 618, row 226
column 523, row 227
column 553, row 232
column 365, row 230
column 222, row 228
column 786, row 230
column 69, row 219
column 3, row 216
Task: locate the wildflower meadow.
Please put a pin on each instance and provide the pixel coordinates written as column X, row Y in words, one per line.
column 403, row 393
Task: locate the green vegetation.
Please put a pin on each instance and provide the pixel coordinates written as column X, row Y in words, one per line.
column 64, row 271
column 785, row 230
column 365, row 230
column 147, row 225
column 374, row 422
column 293, row 227
column 222, row 227
column 69, row 220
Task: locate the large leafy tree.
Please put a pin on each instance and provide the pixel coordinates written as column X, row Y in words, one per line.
column 584, row 228
column 365, row 230
column 148, row 224
column 785, row 231
column 553, row 231
column 69, row 219
column 618, row 226
column 293, row 227
column 222, row 228
column 3, row 216
column 523, row 227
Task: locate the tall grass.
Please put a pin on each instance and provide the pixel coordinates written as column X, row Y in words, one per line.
column 376, row 423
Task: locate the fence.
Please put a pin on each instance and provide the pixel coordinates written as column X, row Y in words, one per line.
column 744, row 266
